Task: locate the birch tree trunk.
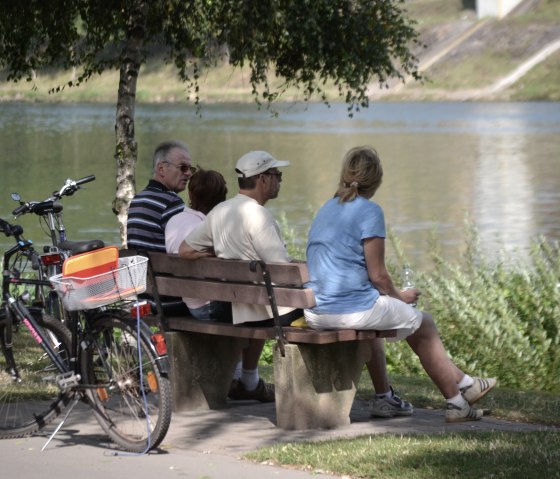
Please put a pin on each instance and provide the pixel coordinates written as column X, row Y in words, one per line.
column 126, row 153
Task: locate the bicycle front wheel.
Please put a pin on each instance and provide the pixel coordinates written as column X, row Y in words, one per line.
column 29, row 395
column 129, row 391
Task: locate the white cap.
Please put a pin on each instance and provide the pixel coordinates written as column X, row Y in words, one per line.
column 257, row 162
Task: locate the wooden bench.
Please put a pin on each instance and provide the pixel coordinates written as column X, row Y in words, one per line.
column 315, row 372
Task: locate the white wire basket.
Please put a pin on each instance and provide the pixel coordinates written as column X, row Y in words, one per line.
column 128, row 280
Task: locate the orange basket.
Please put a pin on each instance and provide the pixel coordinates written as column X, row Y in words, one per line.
column 99, row 278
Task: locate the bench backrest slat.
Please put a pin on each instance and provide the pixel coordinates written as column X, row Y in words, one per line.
column 233, row 292
column 233, row 281
column 232, row 270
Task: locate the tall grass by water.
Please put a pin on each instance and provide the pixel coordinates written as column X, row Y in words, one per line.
column 497, row 316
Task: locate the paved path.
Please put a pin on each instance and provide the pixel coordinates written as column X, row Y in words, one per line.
column 202, row 445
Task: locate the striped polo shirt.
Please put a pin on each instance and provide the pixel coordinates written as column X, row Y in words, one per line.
column 148, row 214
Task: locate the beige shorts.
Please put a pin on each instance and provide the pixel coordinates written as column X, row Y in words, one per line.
column 387, row 313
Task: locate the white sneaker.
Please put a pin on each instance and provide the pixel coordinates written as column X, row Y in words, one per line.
column 462, row 414
column 478, row 389
column 390, row 407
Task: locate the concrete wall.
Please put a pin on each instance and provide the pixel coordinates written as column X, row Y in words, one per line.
column 495, row 8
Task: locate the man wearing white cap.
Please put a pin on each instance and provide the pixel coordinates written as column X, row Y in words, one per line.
column 242, row 228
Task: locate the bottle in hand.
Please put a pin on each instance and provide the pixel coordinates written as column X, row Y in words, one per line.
column 408, row 280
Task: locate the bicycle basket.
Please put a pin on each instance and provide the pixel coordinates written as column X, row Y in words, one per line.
column 128, row 279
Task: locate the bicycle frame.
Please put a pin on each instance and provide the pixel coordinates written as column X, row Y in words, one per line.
column 31, row 324
column 15, row 307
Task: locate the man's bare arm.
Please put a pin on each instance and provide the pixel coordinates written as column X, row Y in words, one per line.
column 185, row 251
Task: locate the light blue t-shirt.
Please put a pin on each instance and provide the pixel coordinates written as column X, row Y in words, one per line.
column 335, row 255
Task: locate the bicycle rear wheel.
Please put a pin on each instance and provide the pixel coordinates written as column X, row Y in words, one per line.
column 131, row 398
column 33, row 399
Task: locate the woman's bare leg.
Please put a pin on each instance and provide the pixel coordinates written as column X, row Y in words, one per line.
column 377, row 367
column 427, row 345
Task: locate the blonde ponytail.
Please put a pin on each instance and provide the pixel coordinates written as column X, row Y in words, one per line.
column 361, row 174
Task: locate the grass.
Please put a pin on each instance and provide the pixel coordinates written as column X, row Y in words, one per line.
column 29, row 357
column 431, row 13
column 536, row 407
column 466, row 454
column 547, row 11
column 541, row 83
column 455, row 75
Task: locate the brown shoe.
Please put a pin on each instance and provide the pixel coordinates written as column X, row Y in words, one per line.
column 264, row 392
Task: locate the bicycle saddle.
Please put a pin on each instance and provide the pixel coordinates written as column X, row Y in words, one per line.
column 81, row 246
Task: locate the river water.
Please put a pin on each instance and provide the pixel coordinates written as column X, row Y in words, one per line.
column 498, row 163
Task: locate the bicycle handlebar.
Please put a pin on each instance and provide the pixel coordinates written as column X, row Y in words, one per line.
column 49, row 205
column 86, row 179
column 9, row 229
column 5, row 227
column 26, row 246
column 20, row 210
column 71, row 186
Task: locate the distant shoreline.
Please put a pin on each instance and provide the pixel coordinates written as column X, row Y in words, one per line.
column 462, row 58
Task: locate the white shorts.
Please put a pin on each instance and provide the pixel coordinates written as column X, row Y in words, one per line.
column 387, row 313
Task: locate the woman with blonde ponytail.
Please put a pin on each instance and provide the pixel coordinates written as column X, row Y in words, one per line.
column 354, row 290
column 361, row 174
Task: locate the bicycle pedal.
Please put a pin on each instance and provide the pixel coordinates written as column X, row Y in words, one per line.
column 68, row 380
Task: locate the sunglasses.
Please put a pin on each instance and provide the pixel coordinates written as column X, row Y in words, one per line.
column 184, row 168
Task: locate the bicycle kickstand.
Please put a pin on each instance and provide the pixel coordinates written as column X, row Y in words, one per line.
column 70, row 409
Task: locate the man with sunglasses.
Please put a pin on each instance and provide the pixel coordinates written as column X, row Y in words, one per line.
column 151, row 208
column 242, row 228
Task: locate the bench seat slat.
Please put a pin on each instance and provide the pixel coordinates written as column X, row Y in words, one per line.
column 366, row 334
column 220, row 329
column 293, row 335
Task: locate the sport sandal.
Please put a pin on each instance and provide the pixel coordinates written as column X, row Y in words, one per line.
column 462, row 414
column 390, row 407
column 478, row 389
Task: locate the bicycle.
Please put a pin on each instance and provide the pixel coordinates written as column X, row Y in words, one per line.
column 50, row 261
column 108, row 360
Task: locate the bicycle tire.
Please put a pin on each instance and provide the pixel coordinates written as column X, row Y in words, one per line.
column 28, row 405
column 110, row 370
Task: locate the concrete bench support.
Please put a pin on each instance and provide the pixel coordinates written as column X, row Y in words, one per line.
column 202, row 367
column 316, row 384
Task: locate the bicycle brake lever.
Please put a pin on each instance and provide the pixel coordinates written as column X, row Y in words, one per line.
column 69, row 188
